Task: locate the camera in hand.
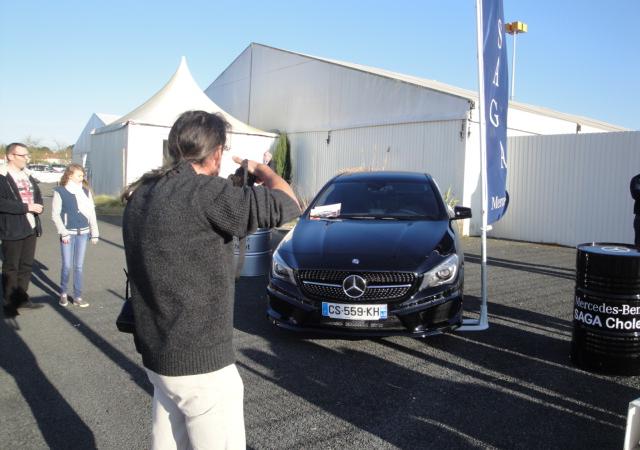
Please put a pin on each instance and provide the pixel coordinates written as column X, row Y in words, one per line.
column 242, row 177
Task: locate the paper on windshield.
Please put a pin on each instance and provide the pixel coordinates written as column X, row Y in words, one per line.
column 332, row 210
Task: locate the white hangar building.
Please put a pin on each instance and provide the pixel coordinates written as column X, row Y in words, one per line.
column 341, row 115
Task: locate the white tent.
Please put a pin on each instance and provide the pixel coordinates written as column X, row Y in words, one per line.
column 82, row 146
column 134, row 144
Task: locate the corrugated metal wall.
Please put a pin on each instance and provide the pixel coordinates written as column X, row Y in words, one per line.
column 105, row 161
column 433, row 147
column 570, row 189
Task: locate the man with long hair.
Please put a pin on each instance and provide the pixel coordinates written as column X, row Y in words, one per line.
column 20, row 207
column 178, row 227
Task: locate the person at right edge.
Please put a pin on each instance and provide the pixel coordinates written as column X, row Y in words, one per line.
column 635, row 193
column 178, row 226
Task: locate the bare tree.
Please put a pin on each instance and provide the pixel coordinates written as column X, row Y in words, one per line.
column 31, row 142
column 59, row 146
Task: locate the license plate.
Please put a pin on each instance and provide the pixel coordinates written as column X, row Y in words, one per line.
column 354, row 312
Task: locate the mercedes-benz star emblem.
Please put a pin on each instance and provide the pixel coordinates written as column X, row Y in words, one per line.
column 616, row 249
column 354, row 286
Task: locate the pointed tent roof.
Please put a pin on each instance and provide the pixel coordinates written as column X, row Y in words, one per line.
column 96, row 120
column 180, row 94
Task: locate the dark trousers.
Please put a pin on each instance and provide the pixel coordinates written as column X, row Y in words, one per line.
column 636, row 228
column 17, row 260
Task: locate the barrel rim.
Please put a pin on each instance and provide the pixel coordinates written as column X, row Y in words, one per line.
column 634, row 253
column 605, row 294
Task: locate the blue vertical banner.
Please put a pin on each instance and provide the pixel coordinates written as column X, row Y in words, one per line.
column 496, row 103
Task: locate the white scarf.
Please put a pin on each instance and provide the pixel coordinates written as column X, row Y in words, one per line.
column 85, row 204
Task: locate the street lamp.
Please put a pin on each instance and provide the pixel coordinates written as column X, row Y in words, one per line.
column 514, row 28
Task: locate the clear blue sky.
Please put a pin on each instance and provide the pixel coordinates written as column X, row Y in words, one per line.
column 61, row 61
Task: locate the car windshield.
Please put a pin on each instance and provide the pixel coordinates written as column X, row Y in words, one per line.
column 378, row 199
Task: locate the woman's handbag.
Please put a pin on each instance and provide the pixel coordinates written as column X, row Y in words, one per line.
column 125, row 321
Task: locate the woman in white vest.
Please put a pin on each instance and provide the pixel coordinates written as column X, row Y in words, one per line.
column 74, row 214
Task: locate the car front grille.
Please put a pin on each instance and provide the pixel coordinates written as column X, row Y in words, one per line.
column 338, row 276
column 381, row 286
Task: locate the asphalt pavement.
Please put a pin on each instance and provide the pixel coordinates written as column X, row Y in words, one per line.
column 69, row 379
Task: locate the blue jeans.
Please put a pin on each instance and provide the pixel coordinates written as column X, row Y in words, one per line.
column 73, row 253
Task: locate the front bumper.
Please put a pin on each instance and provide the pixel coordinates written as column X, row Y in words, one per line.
column 423, row 314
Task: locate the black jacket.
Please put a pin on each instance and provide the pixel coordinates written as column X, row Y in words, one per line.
column 14, row 224
column 635, row 193
column 178, row 244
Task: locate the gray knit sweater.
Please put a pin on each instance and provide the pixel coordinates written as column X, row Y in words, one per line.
column 177, row 234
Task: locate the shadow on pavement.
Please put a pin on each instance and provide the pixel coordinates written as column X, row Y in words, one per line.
column 115, row 244
column 115, row 220
column 541, row 269
column 451, row 391
column 135, row 371
column 40, row 279
column 59, row 424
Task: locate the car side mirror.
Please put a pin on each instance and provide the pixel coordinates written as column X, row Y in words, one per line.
column 461, row 212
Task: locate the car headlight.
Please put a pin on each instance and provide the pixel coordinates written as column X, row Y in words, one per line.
column 280, row 269
column 443, row 273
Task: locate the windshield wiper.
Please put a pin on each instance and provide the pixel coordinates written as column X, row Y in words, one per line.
column 366, row 217
column 415, row 217
column 355, row 217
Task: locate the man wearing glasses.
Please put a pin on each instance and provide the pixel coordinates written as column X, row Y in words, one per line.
column 20, row 206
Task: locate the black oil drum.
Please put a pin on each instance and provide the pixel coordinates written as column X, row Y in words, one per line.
column 606, row 312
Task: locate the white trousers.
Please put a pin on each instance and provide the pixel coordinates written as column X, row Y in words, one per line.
column 197, row 412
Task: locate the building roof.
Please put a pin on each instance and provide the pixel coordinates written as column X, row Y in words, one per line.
column 453, row 90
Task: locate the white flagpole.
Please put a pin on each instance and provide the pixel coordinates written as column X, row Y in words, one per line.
column 483, row 322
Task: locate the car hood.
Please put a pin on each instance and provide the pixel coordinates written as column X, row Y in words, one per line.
column 375, row 244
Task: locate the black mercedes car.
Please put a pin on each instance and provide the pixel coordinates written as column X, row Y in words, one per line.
column 375, row 254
